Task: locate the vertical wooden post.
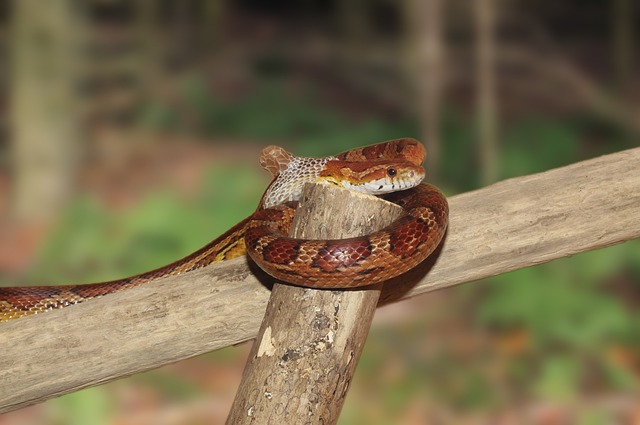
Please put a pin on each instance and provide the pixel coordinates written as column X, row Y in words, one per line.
column 309, row 342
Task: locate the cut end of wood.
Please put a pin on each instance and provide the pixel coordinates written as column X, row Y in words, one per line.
column 327, row 211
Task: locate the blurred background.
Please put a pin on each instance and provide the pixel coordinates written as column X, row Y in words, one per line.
column 130, row 133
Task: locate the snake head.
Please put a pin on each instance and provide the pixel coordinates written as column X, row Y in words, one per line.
column 373, row 177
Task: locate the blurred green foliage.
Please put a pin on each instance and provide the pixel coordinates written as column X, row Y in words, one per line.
column 91, row 243
column 90, row 406
column 272, row 112
column 574, row 316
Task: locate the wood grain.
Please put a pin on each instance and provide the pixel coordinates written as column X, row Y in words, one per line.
column 509, row 225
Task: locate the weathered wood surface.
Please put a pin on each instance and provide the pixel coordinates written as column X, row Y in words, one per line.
column 509, row 225
column 309, row 343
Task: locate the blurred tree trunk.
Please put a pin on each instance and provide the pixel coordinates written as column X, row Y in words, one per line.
column 487, row 116
column 623, row 42
column 147, row 33
column 354, row 29
column 211, row 27
column 425, row 62
column 182, row 48
column 44, row 110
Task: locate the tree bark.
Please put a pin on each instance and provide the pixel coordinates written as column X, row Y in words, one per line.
column 513, row 224
column 310, row 341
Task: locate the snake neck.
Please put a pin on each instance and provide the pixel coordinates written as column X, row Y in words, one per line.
column 288, row 182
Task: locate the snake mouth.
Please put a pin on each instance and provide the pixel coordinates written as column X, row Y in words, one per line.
column 387, row 184
column 376, row 188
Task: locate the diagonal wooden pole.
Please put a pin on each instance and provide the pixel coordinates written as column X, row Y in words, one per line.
column 310, row 341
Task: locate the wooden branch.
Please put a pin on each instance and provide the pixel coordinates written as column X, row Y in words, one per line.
column 512, row 224
column 308, row 346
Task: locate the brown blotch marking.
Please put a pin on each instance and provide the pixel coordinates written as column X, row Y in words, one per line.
column 344, row 253
column 253, row 236
column 17, row 295
column 406, row 148
column 281, row 251
column 271, row 214
column 405, row 238
column 98, row 289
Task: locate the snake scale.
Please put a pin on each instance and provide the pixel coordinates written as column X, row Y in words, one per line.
column 393, row 166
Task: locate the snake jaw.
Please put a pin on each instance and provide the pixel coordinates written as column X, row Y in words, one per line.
column 385, row 179
column 386, row 184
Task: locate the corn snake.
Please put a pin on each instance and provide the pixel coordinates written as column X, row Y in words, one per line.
column 392, row 166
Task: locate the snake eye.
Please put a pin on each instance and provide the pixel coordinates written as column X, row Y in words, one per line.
column 392, row 171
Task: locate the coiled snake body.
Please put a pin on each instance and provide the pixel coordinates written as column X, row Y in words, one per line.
column 378, row 169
